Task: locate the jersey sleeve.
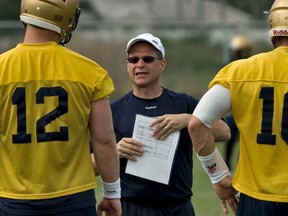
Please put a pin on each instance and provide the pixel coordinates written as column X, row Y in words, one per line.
column 103, row 87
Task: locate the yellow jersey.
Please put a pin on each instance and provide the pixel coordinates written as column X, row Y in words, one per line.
column 259, row 98
column 46, row 91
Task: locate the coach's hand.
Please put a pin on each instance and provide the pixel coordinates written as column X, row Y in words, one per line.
column 227, row 194
column 169, row 123
column 129, row 148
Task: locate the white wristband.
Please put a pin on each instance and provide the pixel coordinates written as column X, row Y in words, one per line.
column 214, row 166
column 112, row 190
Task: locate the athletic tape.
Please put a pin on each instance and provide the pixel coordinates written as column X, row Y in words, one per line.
column 214, row 166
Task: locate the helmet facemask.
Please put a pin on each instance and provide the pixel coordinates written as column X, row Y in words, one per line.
column 65, row 40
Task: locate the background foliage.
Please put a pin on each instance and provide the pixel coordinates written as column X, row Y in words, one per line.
column 9, row 9
column 255, row 8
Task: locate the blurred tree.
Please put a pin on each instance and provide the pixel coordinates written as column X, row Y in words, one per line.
column 255, row 8
column 9, row 9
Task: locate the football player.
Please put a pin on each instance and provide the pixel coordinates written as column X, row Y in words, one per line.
column 256, row 91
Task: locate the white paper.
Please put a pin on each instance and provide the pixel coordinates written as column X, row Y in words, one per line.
column 156, row 162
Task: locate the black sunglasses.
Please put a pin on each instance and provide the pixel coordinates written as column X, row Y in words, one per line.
column 146, row 59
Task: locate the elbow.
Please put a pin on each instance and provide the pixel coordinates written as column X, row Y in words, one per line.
column 195, row 127
column 192, row 125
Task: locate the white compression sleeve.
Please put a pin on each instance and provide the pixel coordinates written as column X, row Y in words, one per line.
column 213, row 105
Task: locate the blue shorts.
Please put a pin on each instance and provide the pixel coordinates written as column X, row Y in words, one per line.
column 87, row 211
column 182, row 209
column 249, row 206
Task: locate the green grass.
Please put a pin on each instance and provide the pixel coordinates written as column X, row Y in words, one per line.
column 205, row 200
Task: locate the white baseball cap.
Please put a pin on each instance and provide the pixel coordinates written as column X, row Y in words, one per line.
column 155, row 41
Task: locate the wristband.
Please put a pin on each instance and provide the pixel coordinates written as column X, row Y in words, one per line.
column 112, row 190
column 214, row 166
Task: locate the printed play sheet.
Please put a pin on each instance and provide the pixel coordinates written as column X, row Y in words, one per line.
column 156, row 162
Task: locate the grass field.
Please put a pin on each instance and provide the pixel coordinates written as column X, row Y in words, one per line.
column 205, row 200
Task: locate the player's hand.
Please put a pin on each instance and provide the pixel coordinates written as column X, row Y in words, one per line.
column 169, row 123
column 112, row 207
column 227, row 194
column 129, row 148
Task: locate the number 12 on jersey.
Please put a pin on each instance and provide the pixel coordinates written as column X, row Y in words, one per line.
column 19, row 100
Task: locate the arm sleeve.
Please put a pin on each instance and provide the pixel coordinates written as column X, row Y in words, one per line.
column 213, row 105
